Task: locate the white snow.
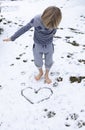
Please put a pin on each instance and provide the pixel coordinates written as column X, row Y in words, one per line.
column 60, row 105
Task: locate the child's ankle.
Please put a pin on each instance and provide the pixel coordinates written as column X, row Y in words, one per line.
column 47, row 79
column 38, row 77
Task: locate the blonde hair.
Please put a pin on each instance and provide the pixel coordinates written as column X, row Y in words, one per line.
column 51, row 17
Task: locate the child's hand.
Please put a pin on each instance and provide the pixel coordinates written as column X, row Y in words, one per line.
column 7, row 40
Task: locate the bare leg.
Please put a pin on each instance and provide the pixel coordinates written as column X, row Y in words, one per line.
column 38, row 77
column 47, row 79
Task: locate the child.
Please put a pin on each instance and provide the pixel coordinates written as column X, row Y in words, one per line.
column 45, row 27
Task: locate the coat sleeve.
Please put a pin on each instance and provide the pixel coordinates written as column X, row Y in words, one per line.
column 22, row 30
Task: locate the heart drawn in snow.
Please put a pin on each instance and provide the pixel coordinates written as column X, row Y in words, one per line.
column 36, row 96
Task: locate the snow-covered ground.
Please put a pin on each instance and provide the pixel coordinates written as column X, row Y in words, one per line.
column 26, row 104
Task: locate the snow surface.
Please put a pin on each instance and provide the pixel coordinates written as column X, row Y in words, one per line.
column 26, row 104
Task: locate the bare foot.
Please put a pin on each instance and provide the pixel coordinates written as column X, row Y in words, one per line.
column 48, row 80
column 6, row 39
column 38, row 77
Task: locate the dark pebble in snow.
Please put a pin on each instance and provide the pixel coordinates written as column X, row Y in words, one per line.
column 72, row 116
column 32, row 60
column 67, row 125
column 45, row 109
column 12, row 65
column 1, row 30
column 17, row 58
column 1, row 123
column 0, row 20
column 0, row 86
column 25, row 61
column 51, row 114
column 80, row 123
column 81, row 61
column 55, row 84
column 59, row 79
